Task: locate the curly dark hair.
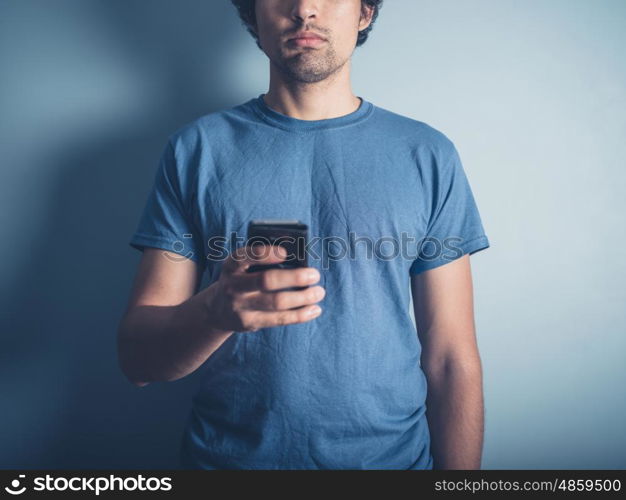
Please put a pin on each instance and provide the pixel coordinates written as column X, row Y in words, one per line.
column 248, row 18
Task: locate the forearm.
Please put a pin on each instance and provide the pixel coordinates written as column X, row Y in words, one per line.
column 455, row 414
column 166, row 343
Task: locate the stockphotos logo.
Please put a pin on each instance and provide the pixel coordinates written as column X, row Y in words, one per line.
column 94, row 484
column 15, row 489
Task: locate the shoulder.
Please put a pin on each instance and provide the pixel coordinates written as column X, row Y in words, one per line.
column 207, row 129
column 416, row 133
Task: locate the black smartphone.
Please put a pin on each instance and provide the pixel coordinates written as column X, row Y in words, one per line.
column 290, row 234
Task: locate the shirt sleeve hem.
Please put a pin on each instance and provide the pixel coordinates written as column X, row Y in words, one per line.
column 141, row 241
column 468, row 247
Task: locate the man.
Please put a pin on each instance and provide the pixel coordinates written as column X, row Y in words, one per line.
column 290, row 385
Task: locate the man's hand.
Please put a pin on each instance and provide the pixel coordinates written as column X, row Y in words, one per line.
column 242, row 301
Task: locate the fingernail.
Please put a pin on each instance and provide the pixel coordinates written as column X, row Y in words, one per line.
column 312, row 275
column 315, row 310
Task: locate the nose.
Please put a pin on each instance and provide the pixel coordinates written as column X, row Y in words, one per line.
column 304, row 10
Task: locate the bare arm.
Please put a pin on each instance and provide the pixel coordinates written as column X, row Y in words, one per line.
column 169, row 330
column 166, row 332
column 443, row 302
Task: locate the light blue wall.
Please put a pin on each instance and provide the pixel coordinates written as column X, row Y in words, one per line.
column 533, row 95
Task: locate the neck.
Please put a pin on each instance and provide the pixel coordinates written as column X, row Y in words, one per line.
column 330, row 98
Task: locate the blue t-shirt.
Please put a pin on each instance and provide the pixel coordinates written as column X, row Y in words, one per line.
column 346, row 389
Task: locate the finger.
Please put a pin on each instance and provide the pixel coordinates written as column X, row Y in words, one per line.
column 277, row 279
column 280, row 301
column 232, row 261
column 243, row 257
column 245, row 282
column 262, row 254
column 272, row 280
column 267, row 319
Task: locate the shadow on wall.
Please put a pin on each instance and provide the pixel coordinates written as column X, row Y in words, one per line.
column 66, row 403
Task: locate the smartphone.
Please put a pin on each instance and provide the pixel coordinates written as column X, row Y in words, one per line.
column 292, row 235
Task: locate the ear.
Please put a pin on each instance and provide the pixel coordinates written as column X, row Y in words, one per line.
column 367, row 11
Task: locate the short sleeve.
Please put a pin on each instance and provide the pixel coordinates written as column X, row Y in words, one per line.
column 166, row 222
column 454, row 224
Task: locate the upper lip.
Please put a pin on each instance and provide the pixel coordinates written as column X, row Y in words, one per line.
column 306, row 34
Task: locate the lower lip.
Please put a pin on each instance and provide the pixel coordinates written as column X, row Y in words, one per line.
column 306, row 42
